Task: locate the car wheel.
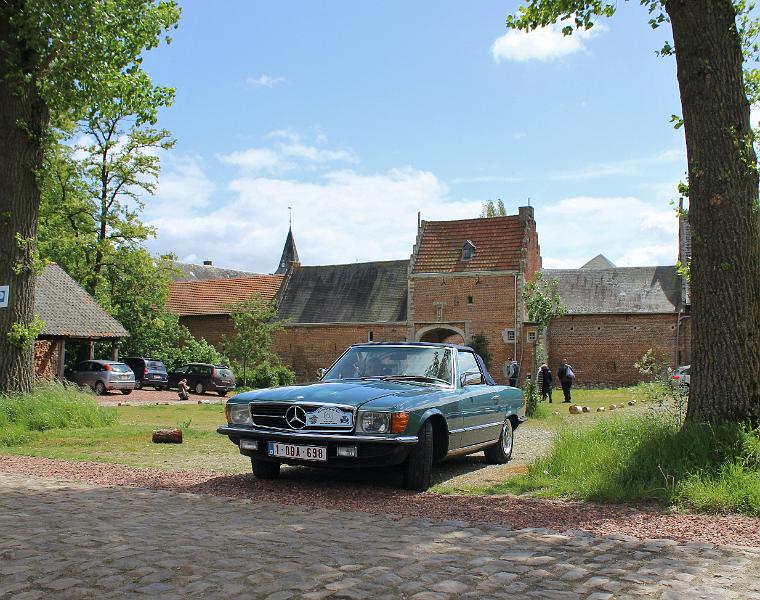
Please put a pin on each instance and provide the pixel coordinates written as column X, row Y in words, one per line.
column 126, row 392
column 418, row 468
column 138, row 384
column 501, row 452
column 222, row 392
column 264, row 469
column 199, row 389
column 100, row 388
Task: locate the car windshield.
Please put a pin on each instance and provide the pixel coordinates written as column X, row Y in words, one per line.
column 120, row 368
column 411, row 363
column 155, row 365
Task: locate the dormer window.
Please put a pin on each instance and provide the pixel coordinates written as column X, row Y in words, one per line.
column 468, row 250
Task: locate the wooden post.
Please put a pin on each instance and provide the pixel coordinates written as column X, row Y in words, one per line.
column 61, row 358
column 92, row 350
column 114, row 349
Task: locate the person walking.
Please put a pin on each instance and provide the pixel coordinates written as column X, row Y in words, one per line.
column 514, row 372
column 545, row 382
column 566, row 378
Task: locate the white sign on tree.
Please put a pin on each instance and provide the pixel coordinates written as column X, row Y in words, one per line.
column 5, row 292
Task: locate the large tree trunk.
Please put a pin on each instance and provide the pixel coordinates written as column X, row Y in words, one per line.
column 23, row 118
column 723, row 213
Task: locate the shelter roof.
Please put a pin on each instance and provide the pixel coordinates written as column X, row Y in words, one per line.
column 192, row 272
column 69, row 311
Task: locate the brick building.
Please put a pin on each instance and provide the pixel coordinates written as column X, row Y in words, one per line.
column 463, row 278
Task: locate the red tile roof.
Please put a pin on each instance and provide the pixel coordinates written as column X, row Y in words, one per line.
column 210, row 297
column 498, row 243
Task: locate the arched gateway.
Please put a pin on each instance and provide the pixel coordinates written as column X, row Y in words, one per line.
column 441, row 334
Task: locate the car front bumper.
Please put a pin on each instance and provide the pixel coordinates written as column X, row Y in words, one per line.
column 371, row 450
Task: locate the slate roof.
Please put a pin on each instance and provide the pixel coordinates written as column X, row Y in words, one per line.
column 373, row 292
column 69, row 311
column 210, row 297
column 620, row 290
column 191, row 272
column 498, row 243
column 289, row 254
column 600, row 261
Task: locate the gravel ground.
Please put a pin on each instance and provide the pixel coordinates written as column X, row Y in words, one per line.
column 151, row 396
column 342, row 491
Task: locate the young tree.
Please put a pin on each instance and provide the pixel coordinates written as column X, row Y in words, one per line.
column 723, row 189
column 493, row 209
column 255, row 322
column 58, row 57
column 543, row 303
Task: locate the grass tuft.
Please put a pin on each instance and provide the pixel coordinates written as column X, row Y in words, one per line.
column 50, row 406
column 709, row 468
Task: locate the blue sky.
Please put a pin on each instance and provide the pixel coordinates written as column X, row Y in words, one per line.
column 359, row 115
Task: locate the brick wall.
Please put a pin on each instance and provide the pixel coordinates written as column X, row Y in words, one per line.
column 46, row 359
column 443, row 300
column 210, row 327
column 602, row 349
column 306, row 348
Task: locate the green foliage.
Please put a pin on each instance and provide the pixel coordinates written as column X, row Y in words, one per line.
column 532, row 396
column 22, row 336
column 491, row 209
column 255, row 322
column 709, row 468
column 50, row 406
column 479, row 343
column 542, row 301
column 266, row 375
column 661, row 388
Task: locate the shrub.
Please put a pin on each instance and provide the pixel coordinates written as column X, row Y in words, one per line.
column 267, row 375
column 531, row 396
column 50, row 406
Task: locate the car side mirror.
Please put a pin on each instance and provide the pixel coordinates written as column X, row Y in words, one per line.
column 471, row 378
column 321, row 373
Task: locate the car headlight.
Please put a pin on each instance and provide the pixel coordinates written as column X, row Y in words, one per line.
column 374, row 422
column 239, row 414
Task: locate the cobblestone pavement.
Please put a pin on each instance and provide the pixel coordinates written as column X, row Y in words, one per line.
column 73, row 540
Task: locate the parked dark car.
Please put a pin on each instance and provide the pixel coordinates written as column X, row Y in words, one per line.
column 103, row 375
column 202, row 378
column 148, row 372
column 380, row 404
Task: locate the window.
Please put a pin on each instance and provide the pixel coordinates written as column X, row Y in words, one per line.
column 467, row 363
column 371, row 336
column 531, row 336
column 510, row 337
column 470, row 300
column 468, row 250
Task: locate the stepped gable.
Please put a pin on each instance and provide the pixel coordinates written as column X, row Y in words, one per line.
column 69, row 311
column 600, row 261
column 212, row 296
column 622, row 290
column 371, row 292
column 498, row 242
column 193, row 272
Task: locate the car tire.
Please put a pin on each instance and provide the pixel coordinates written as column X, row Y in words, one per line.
column 138, row 384
column 418, row 468
column 265, row 469
column 199, row 389
column 100, row 388
column 126, row 392
column 222, row 393
column 501, row 452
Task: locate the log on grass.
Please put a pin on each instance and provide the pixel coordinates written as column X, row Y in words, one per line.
column 167, row 436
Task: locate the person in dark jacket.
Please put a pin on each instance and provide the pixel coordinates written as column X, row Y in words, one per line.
column 514, row 372
column 545, row 382
column 566, row 377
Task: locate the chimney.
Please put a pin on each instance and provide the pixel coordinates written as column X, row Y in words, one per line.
column 525, row 213
column 207, row 263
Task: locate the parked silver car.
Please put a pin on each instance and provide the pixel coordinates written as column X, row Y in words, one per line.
column 103, row 375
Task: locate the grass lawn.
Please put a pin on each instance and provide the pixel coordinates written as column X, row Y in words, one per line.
column 546, row 419
column 129, row 441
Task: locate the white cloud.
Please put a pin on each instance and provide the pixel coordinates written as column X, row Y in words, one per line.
column 543, row 44
column 622, row 168
column 182, row 185
column 625, row 229
column 264, row 81
column 255, row 159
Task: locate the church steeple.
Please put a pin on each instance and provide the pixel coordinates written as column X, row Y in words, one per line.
column 289, row 254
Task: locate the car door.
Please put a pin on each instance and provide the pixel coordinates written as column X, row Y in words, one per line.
column 192, row 374
column 481, row 411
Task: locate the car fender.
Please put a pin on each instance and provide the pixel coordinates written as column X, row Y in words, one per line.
column 427, row 414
